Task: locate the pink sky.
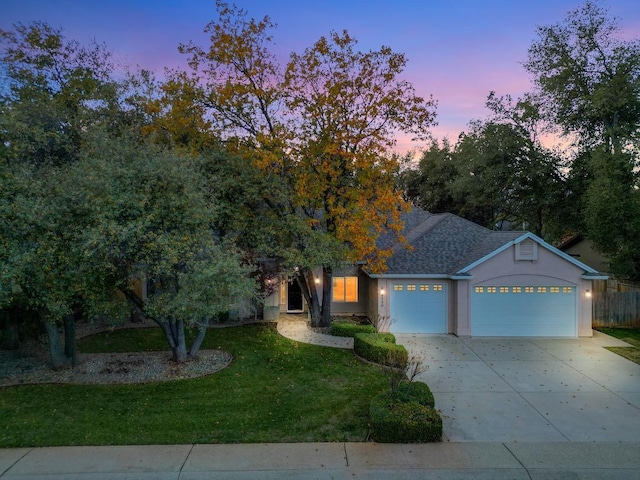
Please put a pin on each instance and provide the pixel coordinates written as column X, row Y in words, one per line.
column 458, row 51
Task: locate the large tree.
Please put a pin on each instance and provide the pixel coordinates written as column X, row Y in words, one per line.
column 497, row 174
column 55, row 91
column 589, row 81
column 87, row 203
column 323, row 128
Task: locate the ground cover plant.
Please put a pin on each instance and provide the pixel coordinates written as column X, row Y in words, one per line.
column 631, row 335
column 276, row 390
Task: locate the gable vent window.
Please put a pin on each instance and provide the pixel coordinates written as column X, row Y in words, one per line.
column 527, row 250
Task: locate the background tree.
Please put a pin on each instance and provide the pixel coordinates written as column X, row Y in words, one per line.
column 430, row 186
column 589, row 81
column 56, row 90
column 322, row 129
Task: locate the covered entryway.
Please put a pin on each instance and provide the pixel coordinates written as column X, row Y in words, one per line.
column 418, row 307
column 524, row 311
column 294, row 297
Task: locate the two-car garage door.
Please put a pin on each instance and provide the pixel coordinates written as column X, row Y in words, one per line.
column 508, row 311
column 418, row 307
column 523, row 311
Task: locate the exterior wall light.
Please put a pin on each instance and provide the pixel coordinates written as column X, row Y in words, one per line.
column 587, row 293
column 317, row 280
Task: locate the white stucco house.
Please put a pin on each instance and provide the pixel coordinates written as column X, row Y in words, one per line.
column 461, row 278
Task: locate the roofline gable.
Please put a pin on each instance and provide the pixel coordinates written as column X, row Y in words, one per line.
column 539, row 241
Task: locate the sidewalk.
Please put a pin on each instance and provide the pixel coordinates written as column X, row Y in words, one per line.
column 495, row 461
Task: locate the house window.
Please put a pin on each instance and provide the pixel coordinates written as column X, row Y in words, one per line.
column 398, row 288
column 345, row 289
column 516, row 290
column 504, row 289
column 528, row 289
column 411, row 288
column 437, row 288
column 479, row 289
column 491, row 289
column 567, row 289
column 424, row 288
column 542, row 289
column 554, row 289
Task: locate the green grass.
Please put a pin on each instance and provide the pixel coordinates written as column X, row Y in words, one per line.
column 631, row 335
column 276, row 390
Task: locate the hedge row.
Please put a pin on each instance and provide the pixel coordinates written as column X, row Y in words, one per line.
column 408, row 416
column 350, row 329
column 380, row 348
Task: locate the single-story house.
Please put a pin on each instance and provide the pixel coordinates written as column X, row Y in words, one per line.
column 459, row 277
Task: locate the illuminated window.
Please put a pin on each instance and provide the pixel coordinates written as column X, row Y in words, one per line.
column 491, row 289
column 411, row 288
column 479, row 289
column 345, row 289
column 567, row 289
column 554, row 289
column 504, row 289
column 424, row 288
column 398, row 288
column 528, row 289
column 516, row 289
column 437, row 288
column 542, row 289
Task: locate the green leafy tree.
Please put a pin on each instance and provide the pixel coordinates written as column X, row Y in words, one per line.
column 152, row 220
column 430, row 185
column 589, row 82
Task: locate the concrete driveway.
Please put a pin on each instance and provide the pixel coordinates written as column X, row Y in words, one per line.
column 530, row 390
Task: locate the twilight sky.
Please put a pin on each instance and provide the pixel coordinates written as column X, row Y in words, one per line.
column 458, row 51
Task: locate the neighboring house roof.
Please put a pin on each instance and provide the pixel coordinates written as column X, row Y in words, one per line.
column 447, row 245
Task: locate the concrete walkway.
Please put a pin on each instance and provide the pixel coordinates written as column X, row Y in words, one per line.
column 295, row 328
column 490, row 461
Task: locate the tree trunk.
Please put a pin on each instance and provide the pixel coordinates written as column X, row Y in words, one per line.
column 174, row 333
column 320, row 313
column 327, row 283
column 56, row 349
column 195, row 346
column 307, row 284
column 70, row 339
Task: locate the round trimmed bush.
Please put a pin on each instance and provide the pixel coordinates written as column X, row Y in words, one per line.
column 417, row 392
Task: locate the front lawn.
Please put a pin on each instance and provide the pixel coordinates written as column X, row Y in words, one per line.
column 631, row 335
column 276, row 390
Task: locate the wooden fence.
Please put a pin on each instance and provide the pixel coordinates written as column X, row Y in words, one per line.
column 616, row 308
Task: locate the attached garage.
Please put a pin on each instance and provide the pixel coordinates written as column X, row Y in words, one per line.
column 524, row 311
column 418, row 307
column 455, row 276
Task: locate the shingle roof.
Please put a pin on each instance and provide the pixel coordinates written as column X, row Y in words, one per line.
column 442, row 244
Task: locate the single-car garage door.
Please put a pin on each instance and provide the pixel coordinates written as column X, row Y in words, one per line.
column 418, row 307
column 523, row 311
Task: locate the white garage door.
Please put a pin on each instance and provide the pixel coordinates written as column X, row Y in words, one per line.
column 524, row 311
column 418, row 307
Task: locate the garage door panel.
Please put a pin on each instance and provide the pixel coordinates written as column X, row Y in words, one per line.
column 524, row 311
column 418, row 308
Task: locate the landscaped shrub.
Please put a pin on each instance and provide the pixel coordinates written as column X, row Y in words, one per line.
column 341, row 329
column 416, row 392
column 396, row 421
column 380, row 348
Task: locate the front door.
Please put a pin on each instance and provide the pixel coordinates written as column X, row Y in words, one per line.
column 294, row 297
